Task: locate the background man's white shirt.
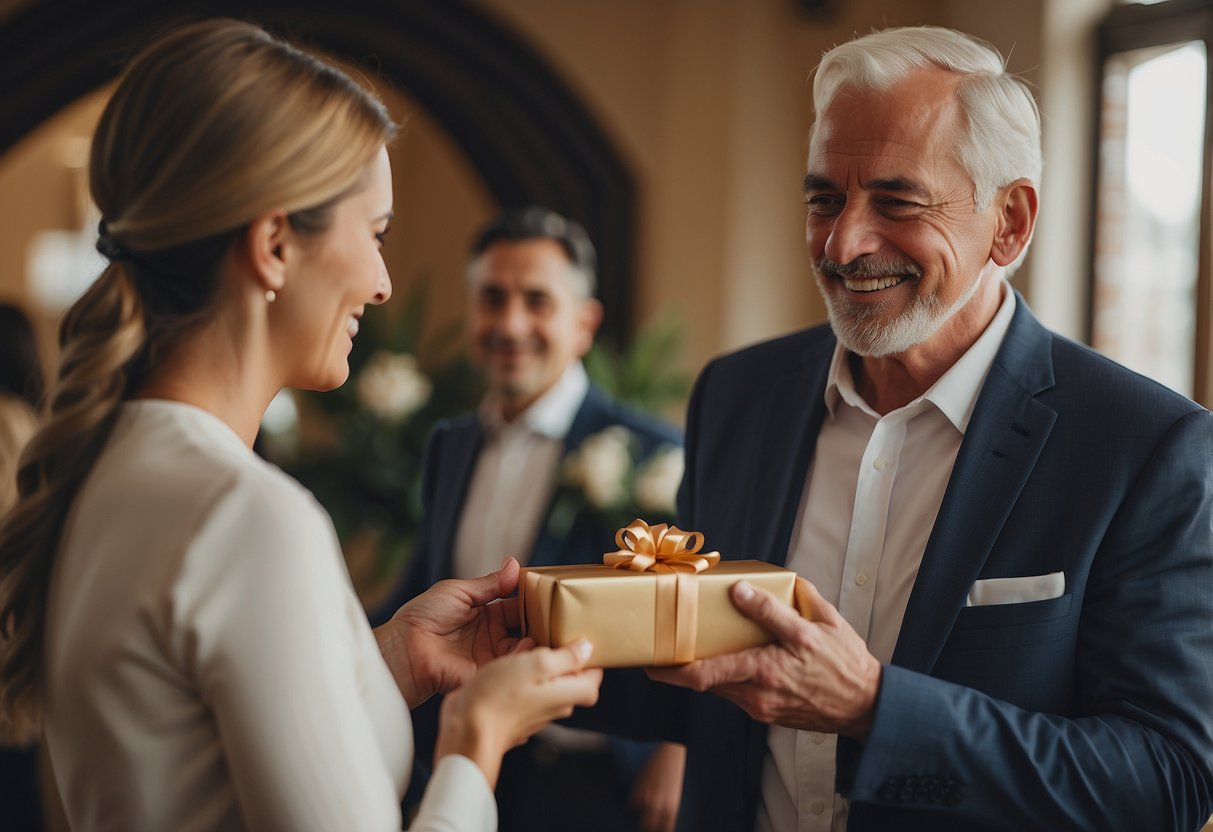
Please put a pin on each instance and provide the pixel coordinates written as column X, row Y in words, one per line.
column 515, row 476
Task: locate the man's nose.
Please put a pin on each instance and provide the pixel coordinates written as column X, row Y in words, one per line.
column 853, row 234
column 514, row 319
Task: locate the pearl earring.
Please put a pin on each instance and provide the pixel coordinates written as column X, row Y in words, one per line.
column 270, row 296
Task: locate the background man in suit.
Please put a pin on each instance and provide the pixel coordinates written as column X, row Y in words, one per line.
column 1008, row 539
column 489, row 485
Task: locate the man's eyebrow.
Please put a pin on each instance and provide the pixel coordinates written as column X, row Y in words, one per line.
column 898, row 185
column 814, row 182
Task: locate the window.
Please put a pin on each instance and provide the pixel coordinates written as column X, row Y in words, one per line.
column 1150, row 283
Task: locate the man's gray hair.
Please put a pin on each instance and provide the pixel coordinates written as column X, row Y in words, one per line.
column 1003, row 138
column 534, row 222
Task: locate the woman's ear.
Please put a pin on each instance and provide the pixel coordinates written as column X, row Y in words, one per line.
column 1017, row 206
column 265, row 242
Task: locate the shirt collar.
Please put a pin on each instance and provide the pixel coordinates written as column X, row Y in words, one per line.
column 955, row 392
column 551, row 415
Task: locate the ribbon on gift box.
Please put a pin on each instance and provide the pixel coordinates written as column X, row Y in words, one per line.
column 673, row 554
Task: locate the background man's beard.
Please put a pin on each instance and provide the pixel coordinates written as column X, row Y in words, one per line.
column 858, row 326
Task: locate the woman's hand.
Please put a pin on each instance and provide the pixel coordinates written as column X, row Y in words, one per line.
column 435, row 642
column 511, row 698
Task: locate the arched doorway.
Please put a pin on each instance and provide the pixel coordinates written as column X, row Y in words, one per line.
column 524, row 131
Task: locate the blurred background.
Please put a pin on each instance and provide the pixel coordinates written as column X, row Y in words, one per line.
column 675, row 131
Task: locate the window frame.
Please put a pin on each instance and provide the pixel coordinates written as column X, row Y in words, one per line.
column 1125, row 29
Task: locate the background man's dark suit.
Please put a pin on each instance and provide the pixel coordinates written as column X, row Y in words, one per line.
column 1072, row 713
column 450, row 461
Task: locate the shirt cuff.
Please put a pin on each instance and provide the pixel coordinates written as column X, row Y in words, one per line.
column 458, row 797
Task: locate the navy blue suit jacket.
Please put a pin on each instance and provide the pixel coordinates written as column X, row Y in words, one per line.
column 1089, row 711
column 450, row 462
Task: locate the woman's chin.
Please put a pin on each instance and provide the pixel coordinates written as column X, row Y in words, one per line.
column 324, row 382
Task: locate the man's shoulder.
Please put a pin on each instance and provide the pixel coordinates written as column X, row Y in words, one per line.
column 1096, row 382
column 601, row 410
column 777, row 356
column 464, row 423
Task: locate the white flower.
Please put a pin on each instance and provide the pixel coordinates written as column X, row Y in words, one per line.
column 391, row 387
column 657, row 480
column 600, row 467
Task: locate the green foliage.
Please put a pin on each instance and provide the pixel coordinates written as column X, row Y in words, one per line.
column 365, row 465
column 645, row 374
column 366, row 469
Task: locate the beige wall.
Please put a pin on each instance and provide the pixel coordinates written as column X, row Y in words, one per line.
column 708, row 101
column 439, row 200
column 42, row 186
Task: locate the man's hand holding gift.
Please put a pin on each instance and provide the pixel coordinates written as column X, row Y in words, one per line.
column 658, row 600
column 817, row 676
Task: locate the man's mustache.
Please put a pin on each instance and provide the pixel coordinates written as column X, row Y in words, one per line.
column 867, row 266
column 507, row 342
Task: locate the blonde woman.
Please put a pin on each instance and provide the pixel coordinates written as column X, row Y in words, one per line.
column 174, row 612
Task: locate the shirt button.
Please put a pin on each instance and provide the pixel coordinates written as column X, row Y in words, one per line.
column 880, row 464
column 861, row 579
column 817, row 738
column 818, row 807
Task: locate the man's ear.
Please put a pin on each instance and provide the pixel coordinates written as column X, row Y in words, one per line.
column 589, row 315
column 1017, row 206
column 265, row 243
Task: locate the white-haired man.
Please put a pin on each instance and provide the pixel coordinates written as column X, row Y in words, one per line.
column 1007, row 538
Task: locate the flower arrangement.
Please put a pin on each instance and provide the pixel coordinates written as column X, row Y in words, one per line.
column 362, row 447
column 391, row 387
column 605, row 477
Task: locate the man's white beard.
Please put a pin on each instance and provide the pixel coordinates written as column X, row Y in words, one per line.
column 859, row 327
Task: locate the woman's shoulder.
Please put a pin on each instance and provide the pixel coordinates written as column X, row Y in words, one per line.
column 175, row 460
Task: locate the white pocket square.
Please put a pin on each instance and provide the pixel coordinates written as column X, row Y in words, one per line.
column 1016, row 590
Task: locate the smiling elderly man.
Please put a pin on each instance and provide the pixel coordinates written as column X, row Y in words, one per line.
column 1008, row 539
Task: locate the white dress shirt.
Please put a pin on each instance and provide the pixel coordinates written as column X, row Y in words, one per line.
column 208, row 665
column 508, row 497
column 870, row 500
column 515, row 476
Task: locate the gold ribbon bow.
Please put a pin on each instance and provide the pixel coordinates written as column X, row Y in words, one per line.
column 660, row 548
column 674, row 555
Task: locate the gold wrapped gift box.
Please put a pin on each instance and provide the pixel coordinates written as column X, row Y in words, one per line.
column 658, row 602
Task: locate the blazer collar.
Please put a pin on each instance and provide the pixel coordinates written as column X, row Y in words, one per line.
column 795, row 408
column 1006, row 434
column 593, row 415
column 1008, row 430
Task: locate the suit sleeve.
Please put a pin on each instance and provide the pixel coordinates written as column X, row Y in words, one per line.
column 416, row 577
column 1137, row 748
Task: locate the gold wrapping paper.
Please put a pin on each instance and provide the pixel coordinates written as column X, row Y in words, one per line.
column 676, row 611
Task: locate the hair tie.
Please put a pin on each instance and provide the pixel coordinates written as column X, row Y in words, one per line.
column 110, row 248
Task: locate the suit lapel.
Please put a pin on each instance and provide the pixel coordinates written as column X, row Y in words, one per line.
column 592, row 416
column 795, row 408
column 1005, row 436
column 458, row 463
